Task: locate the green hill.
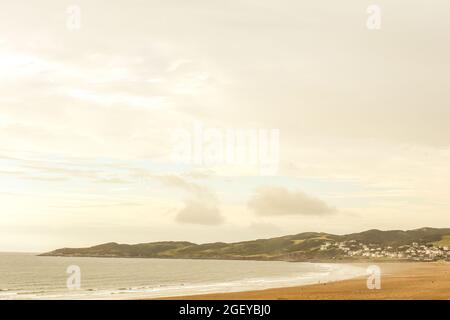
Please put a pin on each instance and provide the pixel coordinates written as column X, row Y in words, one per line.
column 309, row 246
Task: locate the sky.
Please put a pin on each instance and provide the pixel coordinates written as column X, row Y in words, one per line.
column 204, row 120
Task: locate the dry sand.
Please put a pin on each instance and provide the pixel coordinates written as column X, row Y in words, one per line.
column 398, row 281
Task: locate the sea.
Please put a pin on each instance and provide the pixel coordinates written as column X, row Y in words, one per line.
column 29, row 276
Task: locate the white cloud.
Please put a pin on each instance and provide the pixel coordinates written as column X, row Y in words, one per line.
column 350, row 106
column 278, row 201
column 201, row 207
column 197, row 212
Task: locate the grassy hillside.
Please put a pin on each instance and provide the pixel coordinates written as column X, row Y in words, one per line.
column 301, row 247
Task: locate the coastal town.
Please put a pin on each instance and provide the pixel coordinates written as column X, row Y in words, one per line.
column 412, row 252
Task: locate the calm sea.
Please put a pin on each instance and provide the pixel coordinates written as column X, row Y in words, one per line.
column 27, row 276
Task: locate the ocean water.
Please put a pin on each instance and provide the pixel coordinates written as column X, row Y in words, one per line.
column 28, row 276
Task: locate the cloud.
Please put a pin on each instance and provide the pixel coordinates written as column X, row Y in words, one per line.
column 180, row 183
column 202, row 205
column 200, row 174
column 278, row 201
column 196, row 212
column 112, row 180
column 111, row 99
column 100, row 205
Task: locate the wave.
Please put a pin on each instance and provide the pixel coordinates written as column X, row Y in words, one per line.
column 320, row 273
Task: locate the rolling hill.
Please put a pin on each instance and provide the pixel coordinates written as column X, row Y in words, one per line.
column 308, row 246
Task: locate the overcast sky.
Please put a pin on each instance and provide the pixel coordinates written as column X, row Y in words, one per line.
column 89, row 107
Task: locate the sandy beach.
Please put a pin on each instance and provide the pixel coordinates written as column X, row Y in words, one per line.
column 398, row 281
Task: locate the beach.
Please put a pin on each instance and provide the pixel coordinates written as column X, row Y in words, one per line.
column 31, row 276
column 409, row 280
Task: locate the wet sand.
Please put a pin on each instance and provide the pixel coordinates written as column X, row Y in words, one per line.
column 398, row 281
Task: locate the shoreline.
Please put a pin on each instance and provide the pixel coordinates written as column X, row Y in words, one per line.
column 404, row 280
